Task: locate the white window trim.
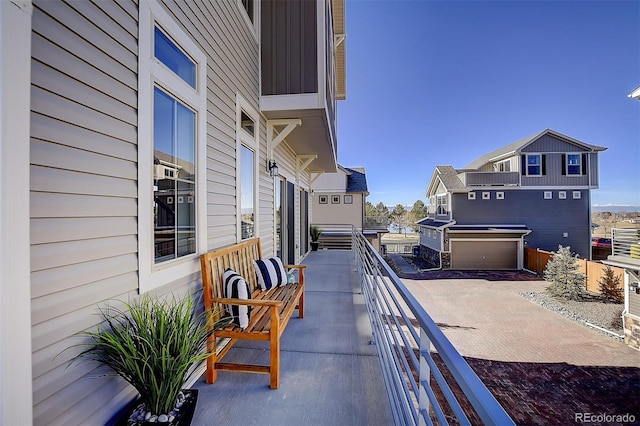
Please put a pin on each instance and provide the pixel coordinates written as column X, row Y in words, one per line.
column 252, row 142
column 562, row 195
column 527, row 165
column 577, row 195
column 500, row 195
column 548, row 195
column 486, row 195
column 566, row 164
column 152, row 72
column 255, row 25
column 471, row 196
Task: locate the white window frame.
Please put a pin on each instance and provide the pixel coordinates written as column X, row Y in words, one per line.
column 255, row 25
column 323, row 199
column 539, row 165
column 486, row 195
column 503, row 166
column 471, row 196
column 252, row 142
column 348, row 199
column 500, row 195
column 548, row 195
column 566, row 164
column 335, row 199
column 562, row 195
column 440, row 204
column 577, row 195
column 153, row 73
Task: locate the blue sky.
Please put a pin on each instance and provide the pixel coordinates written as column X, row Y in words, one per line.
column 442, row 82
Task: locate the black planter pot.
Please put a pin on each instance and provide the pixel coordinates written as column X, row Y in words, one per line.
column 314, row 245
column 183, row 415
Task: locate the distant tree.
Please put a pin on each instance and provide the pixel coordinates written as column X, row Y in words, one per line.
column 562, row 272
column 418, row 211
column 370, row 209
column 609, row 285
column 382, row 210
column 400, row 218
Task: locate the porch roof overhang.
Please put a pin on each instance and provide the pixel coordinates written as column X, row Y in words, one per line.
column 435, row 224
column 313, row 137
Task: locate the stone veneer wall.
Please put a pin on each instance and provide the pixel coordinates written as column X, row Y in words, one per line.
column 632, row 331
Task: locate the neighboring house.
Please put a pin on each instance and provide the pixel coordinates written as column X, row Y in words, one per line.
column 338, row 203
column 135, row 136
column 625, row 253
column 534, row 192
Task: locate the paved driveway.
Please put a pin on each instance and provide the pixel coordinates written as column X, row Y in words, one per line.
column 542, row 367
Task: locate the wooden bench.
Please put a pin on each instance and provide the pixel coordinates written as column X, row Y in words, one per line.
column 270, row 314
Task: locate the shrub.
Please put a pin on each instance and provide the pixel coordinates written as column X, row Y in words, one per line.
column 609, row 285
column 152, row 344
column 562, row 272
column 616, row 321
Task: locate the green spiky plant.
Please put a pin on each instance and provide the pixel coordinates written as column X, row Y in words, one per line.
column 152, row 343
column 314, row 233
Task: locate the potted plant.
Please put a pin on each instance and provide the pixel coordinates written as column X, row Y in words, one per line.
column 314, row 233
column 153, row 343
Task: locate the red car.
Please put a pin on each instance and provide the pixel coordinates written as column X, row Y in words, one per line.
column 601, row 242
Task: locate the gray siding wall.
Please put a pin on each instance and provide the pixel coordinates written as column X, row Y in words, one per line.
column 548, row 219
column 83, row 192
column 634, row 303
column 289, row 47
column 84, row 244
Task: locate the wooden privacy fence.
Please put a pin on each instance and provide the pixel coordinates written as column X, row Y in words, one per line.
column 536, row 261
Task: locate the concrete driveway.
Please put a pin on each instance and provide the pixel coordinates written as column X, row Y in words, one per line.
column 542, row 367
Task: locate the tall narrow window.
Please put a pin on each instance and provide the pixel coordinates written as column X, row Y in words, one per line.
column 247, row 197
column 247, row 154
column 172, row 102
column 174, row 187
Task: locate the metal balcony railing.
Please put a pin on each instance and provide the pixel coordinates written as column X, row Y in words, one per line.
column 404, row 335
column 625, row 242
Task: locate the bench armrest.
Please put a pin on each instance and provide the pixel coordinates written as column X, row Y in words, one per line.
column 295, row 266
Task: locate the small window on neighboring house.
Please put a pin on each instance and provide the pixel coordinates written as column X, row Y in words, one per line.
column 335, row 199
column 441, row 205
column 503, row 166
column 533, row 165
column 323, row 199
column 499, row 195
column 486, row 195
column 348, row 199
column 548, row 195
column 471, row 196
column 562, row 195
column 247, row 123
column 577, row 195
column 574, row 164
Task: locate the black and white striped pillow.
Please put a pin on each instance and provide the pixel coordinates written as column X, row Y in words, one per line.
column 270, row 273
column 235, row 287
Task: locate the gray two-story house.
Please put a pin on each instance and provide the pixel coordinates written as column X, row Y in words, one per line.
column 535, row 192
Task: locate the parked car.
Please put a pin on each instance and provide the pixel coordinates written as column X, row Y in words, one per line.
column 601, row 242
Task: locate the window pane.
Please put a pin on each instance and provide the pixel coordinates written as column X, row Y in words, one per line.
column 248, row 6
column 533, row 165
column 247, row 208
column 174, row 177
column 170, row 55
column 573, row 164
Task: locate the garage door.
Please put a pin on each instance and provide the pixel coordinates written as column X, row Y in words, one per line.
column 484, row 254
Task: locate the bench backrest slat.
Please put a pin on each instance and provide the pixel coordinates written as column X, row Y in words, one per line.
column 238, row 257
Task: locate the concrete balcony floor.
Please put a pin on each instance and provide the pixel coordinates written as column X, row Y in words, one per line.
column 330, row 373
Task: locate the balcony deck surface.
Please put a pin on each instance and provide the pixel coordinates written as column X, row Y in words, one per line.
column 330, row 373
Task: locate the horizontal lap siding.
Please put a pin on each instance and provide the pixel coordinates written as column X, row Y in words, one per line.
column 83, row 195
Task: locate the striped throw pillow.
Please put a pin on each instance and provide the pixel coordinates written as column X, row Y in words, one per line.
column 237, row 288
column 270, row 273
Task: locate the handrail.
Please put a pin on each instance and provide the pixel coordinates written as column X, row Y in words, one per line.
column 412, row 379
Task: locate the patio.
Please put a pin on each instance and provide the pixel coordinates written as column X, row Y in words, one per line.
column 330, row 373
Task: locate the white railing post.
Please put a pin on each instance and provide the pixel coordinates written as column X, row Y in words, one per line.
column 424, row 378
